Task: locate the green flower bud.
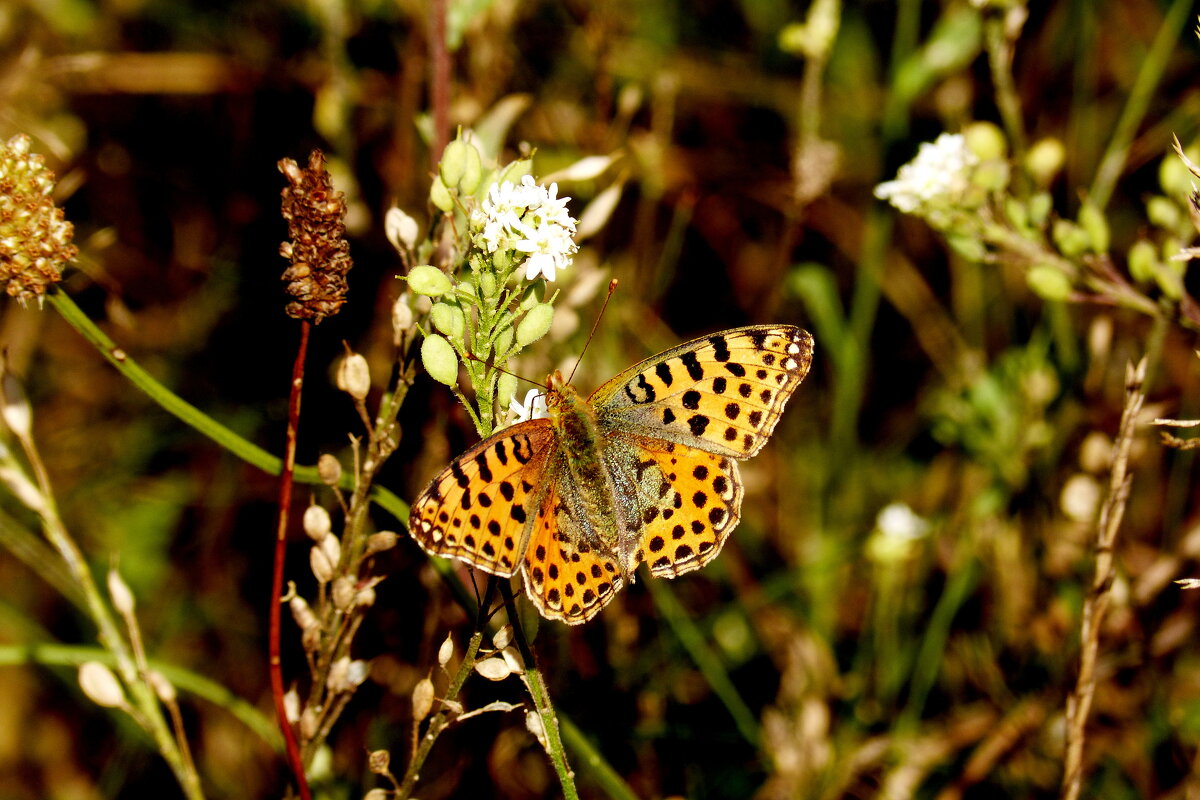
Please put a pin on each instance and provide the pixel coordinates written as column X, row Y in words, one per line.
column 969, row 247
column 515, row 171
column 1174, row 176
column 1016, row 212
column 449, row 319
column 535, row 324
column 439, row 359
column 440, row 196
column 1049, row 282
column 1164, row 213
column 502, row 261
column 454, row 162
column 487, row 284
column 506, row 387
column 504, row 342
column 991, row 176
column 1094, row 222
column 472, row 175
column 529, row 297
column 1169, row 281
column 429, row 281
column 1039, row 208
column 1045, row 160
column 985, row 140
column 1071, row 240
column 1143, row 261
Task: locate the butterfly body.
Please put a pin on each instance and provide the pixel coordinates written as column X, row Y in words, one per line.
column 644, row 469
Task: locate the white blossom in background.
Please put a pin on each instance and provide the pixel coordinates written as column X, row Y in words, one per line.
column 534, row 406
column 897, row 529
column 529, row 219
column 940, row 173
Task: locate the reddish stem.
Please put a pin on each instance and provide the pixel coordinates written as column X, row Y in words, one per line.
column 439, row 88
column 285, row 502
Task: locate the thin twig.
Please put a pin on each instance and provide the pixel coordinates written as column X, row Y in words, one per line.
column 1094, row 605
column 285, row 501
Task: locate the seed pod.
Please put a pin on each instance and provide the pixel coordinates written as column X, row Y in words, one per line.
column 446, row 651
column 383, row 540
column 322, row 569
column 400, row 229
column 429, row 281
column 354, row 376
column 118, row 590
column 535, row 324
column 316, row 522
column 329, row 469
column 379, row 762
column 422, row 699
column 494, row 668
column 440, row 360
column 344, row 592
column 101, row 685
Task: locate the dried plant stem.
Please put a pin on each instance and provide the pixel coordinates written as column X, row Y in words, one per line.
column 1094, row 605
column 145, row 707
column 442, row 719
column 541, row 699
column 439, row 58
column 285, row 499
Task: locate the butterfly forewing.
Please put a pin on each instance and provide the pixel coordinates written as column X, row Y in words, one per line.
column 480, row 508
column 721, row 393
column 564, row 578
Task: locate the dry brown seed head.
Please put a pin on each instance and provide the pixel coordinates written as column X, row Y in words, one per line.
column 318, row 249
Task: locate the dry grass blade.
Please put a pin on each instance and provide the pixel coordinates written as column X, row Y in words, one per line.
column 1094, row 606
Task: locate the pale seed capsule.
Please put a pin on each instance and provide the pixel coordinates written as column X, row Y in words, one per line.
column 329, row 469
column 379, row 762
column 446, row 651
column 422, row 699
column 332, row 548
column 322, row 569
column 383, row 540
column 494, row 669
column 354, row 376
column 316, row 522
column 308, row 724
column 344, row 593
column 400, row 229
column 162, row 687
column 118, row 590
column 101, row 685
column 304, row 616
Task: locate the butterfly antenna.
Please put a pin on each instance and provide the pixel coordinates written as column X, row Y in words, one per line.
column 612, row 287
column 473, row 357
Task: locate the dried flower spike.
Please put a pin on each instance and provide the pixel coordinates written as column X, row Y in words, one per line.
column 318, row 249
column 35, row 238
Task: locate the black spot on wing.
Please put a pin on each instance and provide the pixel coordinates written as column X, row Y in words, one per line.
column 720, row 348
column 693, row 366
column 639, row 391
column 663, row 371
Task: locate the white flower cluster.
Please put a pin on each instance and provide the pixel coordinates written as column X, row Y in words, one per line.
column 941, row 172
column 529, row 219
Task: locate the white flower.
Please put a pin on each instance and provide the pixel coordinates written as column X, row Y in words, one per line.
column 534, row 406
column 529, row 219
column 940, row 172
column 897, row 529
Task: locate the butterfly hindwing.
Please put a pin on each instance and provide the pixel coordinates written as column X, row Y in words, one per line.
column 687, row 502
column 721, row 393
column 565, row 579
column 481, row 507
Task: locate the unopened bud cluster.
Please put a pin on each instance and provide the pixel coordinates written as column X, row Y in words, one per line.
column 519, row 235
column 35, row 238
column 318, row 250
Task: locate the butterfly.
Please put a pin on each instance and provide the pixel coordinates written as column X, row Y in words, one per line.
column 645, row 469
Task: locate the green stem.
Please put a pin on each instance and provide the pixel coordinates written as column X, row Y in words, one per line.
column 61, row 655
column 1139, row 101
column 598, row 770
column 541, row 698
column 186, row 412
